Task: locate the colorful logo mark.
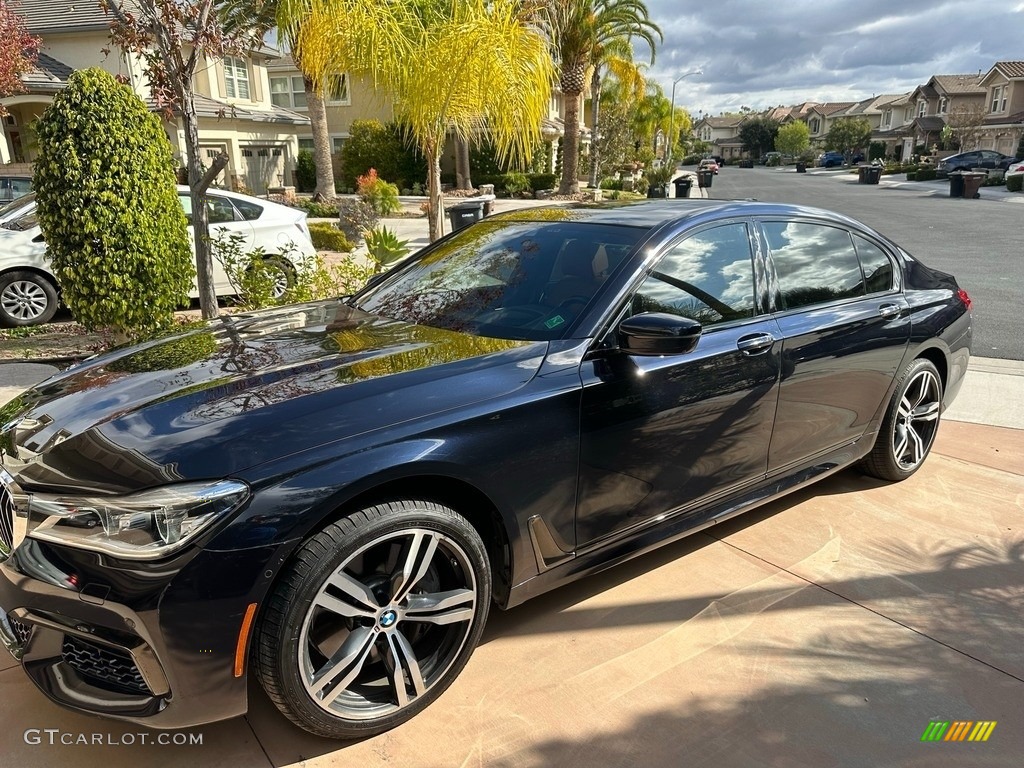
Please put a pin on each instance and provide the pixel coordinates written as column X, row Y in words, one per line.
column 959, row 730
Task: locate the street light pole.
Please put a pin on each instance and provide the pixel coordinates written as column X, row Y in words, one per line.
column 672, row 113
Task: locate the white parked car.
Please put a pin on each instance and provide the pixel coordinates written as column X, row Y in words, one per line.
column 29, row 290
column 1016, row 168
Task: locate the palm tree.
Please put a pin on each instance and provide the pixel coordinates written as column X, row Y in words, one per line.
column 257, row 17
column 449, row 66
column 582, row 34
column 617, row 56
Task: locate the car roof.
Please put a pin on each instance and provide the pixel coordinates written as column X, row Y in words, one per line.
column 651, row 214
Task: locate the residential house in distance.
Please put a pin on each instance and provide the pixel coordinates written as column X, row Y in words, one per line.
column 819, row 119
column 233, row 101
column 1003, row 124
column 722, row 133
column 937, row 102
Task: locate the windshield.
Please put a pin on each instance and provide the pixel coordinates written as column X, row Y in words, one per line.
column 506, row 279
column 7, row 211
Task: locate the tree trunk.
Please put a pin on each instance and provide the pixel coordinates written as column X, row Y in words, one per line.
column 321, row 141
column 435, row 200
column 462, row 171
column 200, row 216
column 595, row 110
column 570, row 183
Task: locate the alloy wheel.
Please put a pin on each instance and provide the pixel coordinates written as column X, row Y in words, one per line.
column 23, row 300
column 917, row 420
column 387, row 624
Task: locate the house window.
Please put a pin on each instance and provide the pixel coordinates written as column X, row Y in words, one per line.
column 887, row 119
column 815, row 125
column 288, row 92
column 943, row 104
column 236, row 78
column 999, row 98
column 306, row 144
column 337, row 142
column 337, row 90
column 922, row 108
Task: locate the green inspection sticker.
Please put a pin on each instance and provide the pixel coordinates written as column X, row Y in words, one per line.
column 554, row 322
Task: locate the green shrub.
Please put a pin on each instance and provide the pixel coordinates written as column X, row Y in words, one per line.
column 107, row 204
column 539, row 181
column 911, row 175
column 371, row 144
column 1014, row 183
column 925, row 173
column 317, row 210
column 610, row 183
column 384, row 248
column 379, row 193
column 327, row 237
column 355, row 217
column 516, row 183
column 305, row 171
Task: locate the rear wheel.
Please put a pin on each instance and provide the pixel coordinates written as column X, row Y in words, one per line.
column 376, row 617
column 26, row 298
column 281, row 273
column 910, row 424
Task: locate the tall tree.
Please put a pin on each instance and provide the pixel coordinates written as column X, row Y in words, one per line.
column 449, row 65
column 251, row 20
column 964, row 123
column 793, row 138
column 582, row 34
column 18, row 51
column 615, row 55
column 758, row 135
column 847, row 135
column 174, row 38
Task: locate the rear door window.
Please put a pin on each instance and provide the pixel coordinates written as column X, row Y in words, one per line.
column 814, row 263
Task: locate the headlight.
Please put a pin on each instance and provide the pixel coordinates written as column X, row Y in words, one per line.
column 140, row 526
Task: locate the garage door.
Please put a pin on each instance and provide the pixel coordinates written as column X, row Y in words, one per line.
column 263, row 167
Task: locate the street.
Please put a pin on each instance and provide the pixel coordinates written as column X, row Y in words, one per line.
column 979, row 241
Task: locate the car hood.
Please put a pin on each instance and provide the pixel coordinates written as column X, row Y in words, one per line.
column 244, row 390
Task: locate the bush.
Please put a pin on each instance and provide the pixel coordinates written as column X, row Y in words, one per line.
column 356, row 217
column 539, row 181
column 516, row 183
column 911, row 175
column 925, row 174
column 610, row 183
column 378, row 193
column 305, row 171
column 317, row 210
column 327, row 237
column 109, row 211
column 1014, row 183
column 384, row 248
column 371, row 144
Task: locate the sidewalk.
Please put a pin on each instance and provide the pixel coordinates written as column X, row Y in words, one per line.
column 934, row 188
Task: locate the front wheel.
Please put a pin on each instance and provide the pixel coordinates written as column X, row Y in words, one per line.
column 26, row 298
column 375, row 618
column 910, row 424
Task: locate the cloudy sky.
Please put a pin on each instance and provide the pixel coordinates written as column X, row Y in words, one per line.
column 762, row 53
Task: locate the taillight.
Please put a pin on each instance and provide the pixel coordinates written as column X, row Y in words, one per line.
column 962, row 295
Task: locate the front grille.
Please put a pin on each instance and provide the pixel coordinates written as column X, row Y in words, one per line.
column 6, row 519
column 104, row 667
column 21, row 631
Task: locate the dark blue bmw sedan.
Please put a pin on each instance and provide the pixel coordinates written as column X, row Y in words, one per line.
column 333, row 495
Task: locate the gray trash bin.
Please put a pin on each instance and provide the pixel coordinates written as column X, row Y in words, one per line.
column 683, row 185
column 469, row 211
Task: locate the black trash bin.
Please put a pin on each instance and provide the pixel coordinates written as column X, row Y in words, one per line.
column 657, row 191
column 862, row 174
column 704, row 178
column 465, row 213
column 874, row 174
column 956, row 184
column 801, row 167
column 683, row 185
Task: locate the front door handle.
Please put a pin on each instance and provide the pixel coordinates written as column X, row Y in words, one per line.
column 889, row 311
column 755, row 344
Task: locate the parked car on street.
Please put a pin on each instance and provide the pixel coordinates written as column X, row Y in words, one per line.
column 1015, row 168
column 980, row 158
column 708, row 164
column 832, row 159
column 29, row 290
column 332, row 496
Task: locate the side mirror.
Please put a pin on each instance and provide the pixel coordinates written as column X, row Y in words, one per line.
column 657, row 333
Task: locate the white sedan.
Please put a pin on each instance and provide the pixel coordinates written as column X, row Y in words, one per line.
column 28, row 288
column 1016, row 168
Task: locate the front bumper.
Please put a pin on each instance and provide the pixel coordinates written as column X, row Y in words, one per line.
column 153, row 645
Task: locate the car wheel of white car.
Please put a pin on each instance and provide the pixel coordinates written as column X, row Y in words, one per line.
column 26, row 298
column 283, row 275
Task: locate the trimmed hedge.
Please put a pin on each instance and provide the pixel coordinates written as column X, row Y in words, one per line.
column 327, row 237
column 1014, row 183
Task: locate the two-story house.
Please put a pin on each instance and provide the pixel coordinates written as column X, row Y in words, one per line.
column 1003, row 124
column 233, row 96
column 721, row 133
column 940, row 98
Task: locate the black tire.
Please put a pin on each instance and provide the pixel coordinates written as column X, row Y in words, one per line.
column 26, row 298
column 910, row 424
column 344, row 619
column 283, row 274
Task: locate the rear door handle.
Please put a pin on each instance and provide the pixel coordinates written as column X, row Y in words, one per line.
column 755, row 344
column 889, row 311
